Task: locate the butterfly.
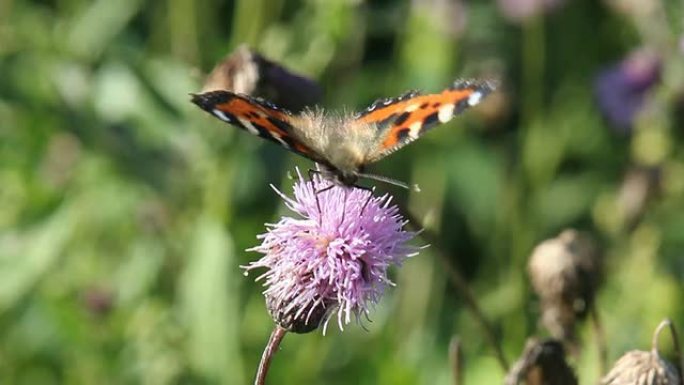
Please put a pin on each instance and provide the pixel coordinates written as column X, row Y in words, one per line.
column 344, row 144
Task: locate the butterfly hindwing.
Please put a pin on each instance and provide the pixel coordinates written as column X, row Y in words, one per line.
column 404, row 119
column 257, row 116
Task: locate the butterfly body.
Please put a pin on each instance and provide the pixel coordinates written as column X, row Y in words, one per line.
column 345, row 143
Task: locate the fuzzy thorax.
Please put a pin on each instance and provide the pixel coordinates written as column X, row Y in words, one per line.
column 345, row 142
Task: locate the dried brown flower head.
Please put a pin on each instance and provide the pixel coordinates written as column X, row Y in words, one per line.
column 238, row 73
column 247, row 72
column 565, row 272
column 638, row 367
column 542, row 363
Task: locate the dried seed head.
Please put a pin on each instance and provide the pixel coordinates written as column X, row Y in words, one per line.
column 565, row 272
column 542, row 362
column 638, row 367
column 238, row 73
column 646, row 368
column 247, row 72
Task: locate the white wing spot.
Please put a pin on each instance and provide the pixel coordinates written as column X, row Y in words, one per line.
column 248, row 125
column 445, row 113
column 277, row 137
column 474, row 98
column 414, row 129
column 412, row 107
column 219, row 114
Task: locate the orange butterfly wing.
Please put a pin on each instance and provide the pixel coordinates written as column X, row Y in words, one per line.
column 255, row 115
column 404, row 119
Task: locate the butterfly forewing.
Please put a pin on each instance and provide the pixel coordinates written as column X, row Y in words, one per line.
column 402, row 120
column 256, row 116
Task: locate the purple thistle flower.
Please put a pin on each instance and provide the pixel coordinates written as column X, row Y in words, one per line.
column 621, row 89
column 332, row 259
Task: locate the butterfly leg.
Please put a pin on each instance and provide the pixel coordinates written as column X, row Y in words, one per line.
column 370, row 196
column 324, row 174
column 311, row 173
column 344, row 206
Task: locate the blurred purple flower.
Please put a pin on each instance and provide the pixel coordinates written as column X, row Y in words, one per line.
column 449, row 16
column 621, row 88
column 332, row 259
column 519, row 11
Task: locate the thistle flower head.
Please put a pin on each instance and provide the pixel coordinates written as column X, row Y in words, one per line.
column 333, row 258
column 621, row 89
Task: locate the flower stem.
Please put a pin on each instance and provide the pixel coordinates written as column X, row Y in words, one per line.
column 600, row 337
column 270, row 349
column 456, row 360
column 675, row 341
column 461, row 285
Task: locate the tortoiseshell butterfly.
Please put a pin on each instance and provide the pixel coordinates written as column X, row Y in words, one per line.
column 343, row 145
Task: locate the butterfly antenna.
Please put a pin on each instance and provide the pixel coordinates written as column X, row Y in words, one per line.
column 387, row 180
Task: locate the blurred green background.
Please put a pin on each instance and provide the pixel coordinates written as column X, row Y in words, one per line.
column 125, row 210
